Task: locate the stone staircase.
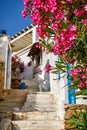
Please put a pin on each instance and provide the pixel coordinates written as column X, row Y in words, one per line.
column 38, row 113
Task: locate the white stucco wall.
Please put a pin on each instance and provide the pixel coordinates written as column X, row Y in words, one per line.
column 28, row 70
column 56, row 85
column 5, row 56
column 81, row 99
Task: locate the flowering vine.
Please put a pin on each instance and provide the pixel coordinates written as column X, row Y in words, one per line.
column 65, row 22
column 17, row 65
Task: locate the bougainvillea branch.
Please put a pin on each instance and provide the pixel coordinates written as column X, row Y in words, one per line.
column 65, row 22
column 16, row 64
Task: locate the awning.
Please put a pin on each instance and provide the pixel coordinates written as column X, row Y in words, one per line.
column 22, row 39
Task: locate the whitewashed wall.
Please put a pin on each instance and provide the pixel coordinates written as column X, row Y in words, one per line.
column 5, row 57
column 56, row 85
column 81, row 99
column 28, row 70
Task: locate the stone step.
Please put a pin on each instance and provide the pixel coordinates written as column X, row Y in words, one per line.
column 38, row 109
column 51, row 109
column 38, row 129
column 41, row 93
column 40, row 97
column 34, row 116
column 44, row 93
column 45, row 104
column 40, row 102
column 50, row 106
column 37, row 125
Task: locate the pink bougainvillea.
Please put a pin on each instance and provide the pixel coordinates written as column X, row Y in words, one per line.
column 66, row 22
column 48, row 68
column 17, row 65
column 79, row 75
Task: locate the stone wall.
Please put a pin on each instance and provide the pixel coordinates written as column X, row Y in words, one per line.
column 2, row 75
column 69, row 111
column 6, row 124
column 5, row 115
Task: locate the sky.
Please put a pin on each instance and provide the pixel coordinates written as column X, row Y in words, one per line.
column 11, row 18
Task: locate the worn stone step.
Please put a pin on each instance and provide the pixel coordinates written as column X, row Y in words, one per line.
column 44, row 93
column 40, row 97
column 5, row 115
column 46, row 109
column 34, row 116
column 37, row 129
column 31, row 125
column 45, row 106
column 41, row 102
column 41, row 94
column 39, row 107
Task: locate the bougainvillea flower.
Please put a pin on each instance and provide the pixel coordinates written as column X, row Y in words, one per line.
column 48, row 68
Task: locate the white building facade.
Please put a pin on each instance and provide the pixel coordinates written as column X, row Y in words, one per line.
column 47, row 82
column 5, row 58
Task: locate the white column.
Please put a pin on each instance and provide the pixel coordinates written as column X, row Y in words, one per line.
column 34, row 35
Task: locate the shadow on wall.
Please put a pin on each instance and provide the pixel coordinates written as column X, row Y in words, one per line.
column 28, row 73
column 45, row 85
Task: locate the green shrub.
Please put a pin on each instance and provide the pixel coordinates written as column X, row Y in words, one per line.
column 79, row 119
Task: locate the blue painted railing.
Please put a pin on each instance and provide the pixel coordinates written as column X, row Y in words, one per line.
column 71, row 97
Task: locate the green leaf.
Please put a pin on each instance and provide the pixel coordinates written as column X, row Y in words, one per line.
column 71, row 87
column 55, row 71
column 84, row 91
column 49, row 30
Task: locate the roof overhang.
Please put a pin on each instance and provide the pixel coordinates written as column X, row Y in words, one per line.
column 22, row 39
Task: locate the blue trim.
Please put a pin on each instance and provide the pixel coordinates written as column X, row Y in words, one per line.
column 71, row 98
